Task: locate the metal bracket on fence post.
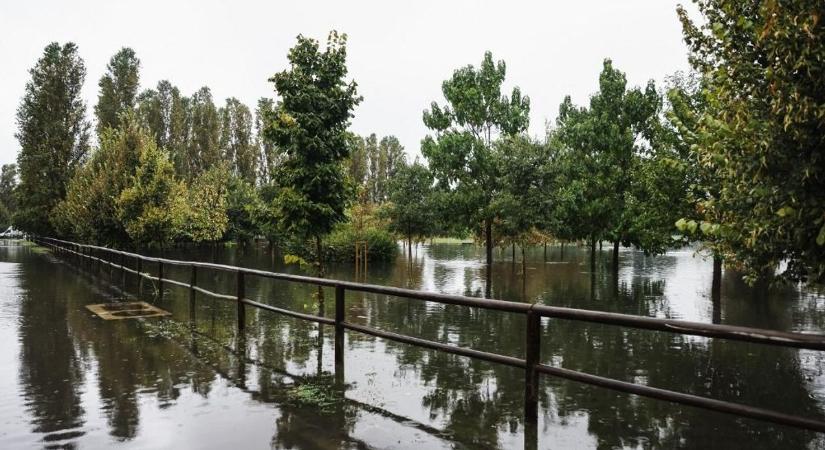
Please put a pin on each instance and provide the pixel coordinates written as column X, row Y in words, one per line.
column 241, row 308
column 532, row 358
column 160, row 280
column 340, row 296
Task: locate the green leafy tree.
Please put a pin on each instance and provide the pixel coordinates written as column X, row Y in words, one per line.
column 358, row 162
column 89, row 211
column 206, row 201
column 762, row 133
column 268, row 158
column 8, row 186
column 242, row 203
column 237, row 140
column 53, row 135
column 118, row 89
column 411, row 210
column 613, row 148
column 153, row 207
column 461, row 153
column 309, row 129
column 204, row 139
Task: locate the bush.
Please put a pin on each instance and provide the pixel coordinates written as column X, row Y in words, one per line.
column 340, row 244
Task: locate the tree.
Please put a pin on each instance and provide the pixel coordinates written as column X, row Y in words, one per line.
column 53, row 135
column 461, row 154
column 237, row 143
column 762, row 132
column 309, row 129
column 411, row 210
column 204, row 143
column 8, row 185
column 206, row 203
column 267, row 154
column 153, row 207
column 358, row 162
column 118, row 89
column 612, row 150
column 89, row 211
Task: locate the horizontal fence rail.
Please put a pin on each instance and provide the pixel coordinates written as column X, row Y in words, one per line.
column 534, row 313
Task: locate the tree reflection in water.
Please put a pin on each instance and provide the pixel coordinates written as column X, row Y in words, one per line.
column 441, row 397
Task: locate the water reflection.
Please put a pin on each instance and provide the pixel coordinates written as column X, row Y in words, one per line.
column 165, row 382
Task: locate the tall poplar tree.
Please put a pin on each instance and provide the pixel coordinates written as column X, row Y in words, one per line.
column 461, row 153
column 118, row 89
column 204, row 143
column 237, row 140
column 53, row 134
column 309, row 128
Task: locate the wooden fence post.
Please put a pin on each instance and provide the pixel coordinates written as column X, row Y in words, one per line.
column 140, row 276
column 193, row 279
column 532, row 358
column 241, row 307
column 160, row 280
column 340, row 317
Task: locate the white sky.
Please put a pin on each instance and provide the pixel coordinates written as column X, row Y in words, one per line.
column 398, row 52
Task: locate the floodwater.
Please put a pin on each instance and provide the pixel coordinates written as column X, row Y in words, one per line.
column 70, row 379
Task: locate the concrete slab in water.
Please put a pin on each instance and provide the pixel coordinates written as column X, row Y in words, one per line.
column 126, row 310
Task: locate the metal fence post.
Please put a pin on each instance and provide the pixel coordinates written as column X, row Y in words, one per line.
column 532, row 358
column 241, row 308
column 340, row 296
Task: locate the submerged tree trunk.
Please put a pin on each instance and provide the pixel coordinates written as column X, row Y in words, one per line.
column 523, row 263
column 716, row 290
column 488, row 237
column 562, row 250
column 545, row 251
column 593, row 254
column 514, row 252
column 616, row 255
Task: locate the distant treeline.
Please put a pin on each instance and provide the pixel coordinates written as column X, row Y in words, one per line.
column 729, row 154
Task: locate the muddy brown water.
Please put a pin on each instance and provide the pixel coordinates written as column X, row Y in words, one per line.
column 69, row 379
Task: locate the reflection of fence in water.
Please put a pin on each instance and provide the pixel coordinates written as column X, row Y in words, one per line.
column 531, row 363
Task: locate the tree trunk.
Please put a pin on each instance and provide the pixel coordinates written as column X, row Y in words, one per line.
column 545, row 251
column 320, row 265
column 716, row 290
column 514, row 252
column 409, row 247
column 562, row 250
column 616, row 255
column 593, row 254
column 488, row 236
column 523, row 262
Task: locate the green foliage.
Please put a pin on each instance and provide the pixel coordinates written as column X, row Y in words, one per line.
column 89, row 211
column 614, row 167
column 461, row 154
column 762, row 132
column 153, row 208
column 243, row 202
column 53, row 135
column 204, row 149
column 412, row 210
column 340, row 244
column 118, row 89
column 206, row 218
column 8, row 187
column 308, row 127
column 237, row 140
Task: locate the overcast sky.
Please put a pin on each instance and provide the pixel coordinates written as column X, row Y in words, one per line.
column 398, row 52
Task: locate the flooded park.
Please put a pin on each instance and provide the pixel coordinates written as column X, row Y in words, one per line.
column 71, row 379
